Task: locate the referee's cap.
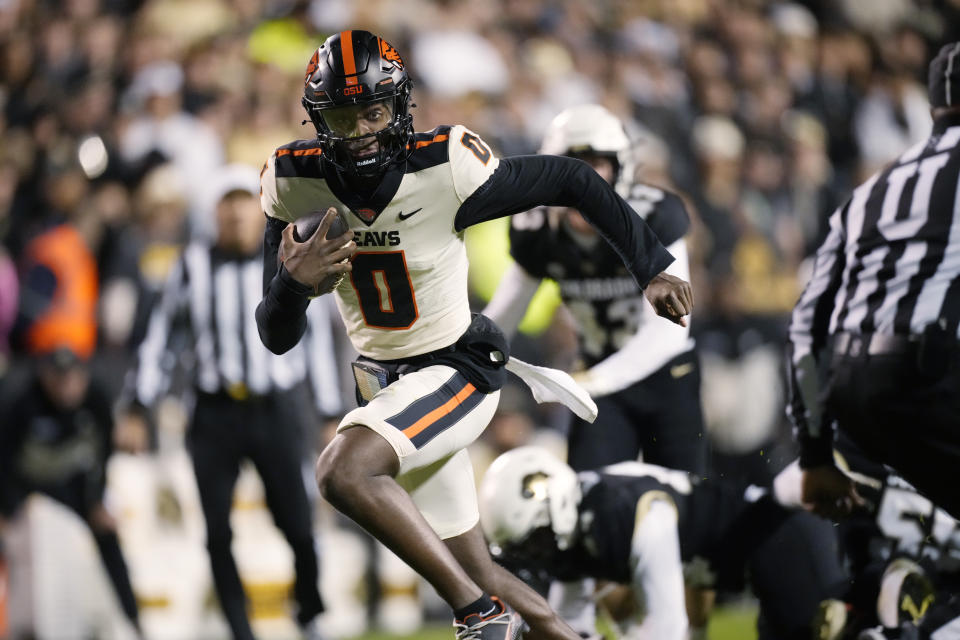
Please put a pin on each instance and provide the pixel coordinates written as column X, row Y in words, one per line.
column 944, row 80
column 229, row 179
column 232, row 178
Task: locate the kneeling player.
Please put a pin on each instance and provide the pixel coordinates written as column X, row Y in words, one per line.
column 642, row 525
column 903, row 554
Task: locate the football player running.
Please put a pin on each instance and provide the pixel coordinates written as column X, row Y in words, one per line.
column 642, row 372
column 646, row 526
column 429, row 374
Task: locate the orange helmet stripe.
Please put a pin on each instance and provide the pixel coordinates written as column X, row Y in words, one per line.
column 346, row 51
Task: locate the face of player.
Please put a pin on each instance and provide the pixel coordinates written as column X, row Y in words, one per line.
column 359, row 121
column 605, row 169
column 239, row 222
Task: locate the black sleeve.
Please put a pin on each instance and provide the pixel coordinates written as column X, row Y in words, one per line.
column 523, row 182
column 531, row 244
column 281, row 315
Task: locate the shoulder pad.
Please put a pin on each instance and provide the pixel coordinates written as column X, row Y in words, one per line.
column 428, row 149
column 471, row 161
column 663, row 210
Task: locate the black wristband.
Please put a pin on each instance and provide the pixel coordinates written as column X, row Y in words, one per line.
column 291, row 284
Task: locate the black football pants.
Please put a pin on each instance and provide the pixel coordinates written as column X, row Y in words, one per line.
column 902, row 417
column 792, row 561
column 268, row 431
column 660, row 416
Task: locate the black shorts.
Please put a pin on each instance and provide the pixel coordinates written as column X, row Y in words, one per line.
column 659, row 416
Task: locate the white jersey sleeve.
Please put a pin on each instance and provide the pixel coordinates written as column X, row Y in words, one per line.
column 269, row 198
column 658, row 574
column 511, row 299
column 471, row 161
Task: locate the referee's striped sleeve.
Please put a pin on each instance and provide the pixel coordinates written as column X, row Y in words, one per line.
column 810, row 320
column 809, row 325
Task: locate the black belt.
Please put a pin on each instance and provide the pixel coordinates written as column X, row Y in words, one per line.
column 419, row 359
column 874, row 344
column 238, row 393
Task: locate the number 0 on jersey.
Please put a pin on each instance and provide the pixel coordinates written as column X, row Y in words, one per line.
column 382, row 284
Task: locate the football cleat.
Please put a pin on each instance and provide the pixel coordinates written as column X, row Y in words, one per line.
column 905, row 594
column 502, row 623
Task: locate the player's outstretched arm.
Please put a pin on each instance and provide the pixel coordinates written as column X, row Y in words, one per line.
column 658, row 573
column 523, row 182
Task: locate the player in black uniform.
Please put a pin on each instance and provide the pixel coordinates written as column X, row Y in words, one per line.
column 902, row 551
column 642, row 372
column 639, row 524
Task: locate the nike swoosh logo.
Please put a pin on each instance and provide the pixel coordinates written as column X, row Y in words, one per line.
column 680, row 370
column 401, row 215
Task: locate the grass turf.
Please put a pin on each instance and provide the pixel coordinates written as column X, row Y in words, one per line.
column 726, row 623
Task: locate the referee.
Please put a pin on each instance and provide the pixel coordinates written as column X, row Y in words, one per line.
column 249, row 403
column 879, row 322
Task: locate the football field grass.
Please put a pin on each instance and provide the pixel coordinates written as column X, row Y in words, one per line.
column 727, row 623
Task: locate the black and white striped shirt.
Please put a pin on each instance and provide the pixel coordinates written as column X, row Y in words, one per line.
column 215, row 295
column 890, row 263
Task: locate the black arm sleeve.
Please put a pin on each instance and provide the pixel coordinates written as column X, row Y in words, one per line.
column 281, row 315
column 523, row 182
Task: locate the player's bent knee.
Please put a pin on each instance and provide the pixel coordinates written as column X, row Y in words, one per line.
column 353, row 456
column 334, row 478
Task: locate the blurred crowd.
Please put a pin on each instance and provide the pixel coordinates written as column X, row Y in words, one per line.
column 764, row 114
column 115, row 114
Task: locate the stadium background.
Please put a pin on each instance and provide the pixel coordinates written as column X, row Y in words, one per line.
column 115, row 113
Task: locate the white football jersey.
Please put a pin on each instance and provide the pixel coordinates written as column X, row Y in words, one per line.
column 407, row 293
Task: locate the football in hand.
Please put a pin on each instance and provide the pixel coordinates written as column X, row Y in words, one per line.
column 306, row 226
column 304, row 229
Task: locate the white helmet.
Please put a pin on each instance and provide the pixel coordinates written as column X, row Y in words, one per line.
column 525, row 489
column 585, row 128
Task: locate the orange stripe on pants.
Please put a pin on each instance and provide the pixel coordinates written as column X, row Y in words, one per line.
column 439, row 412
